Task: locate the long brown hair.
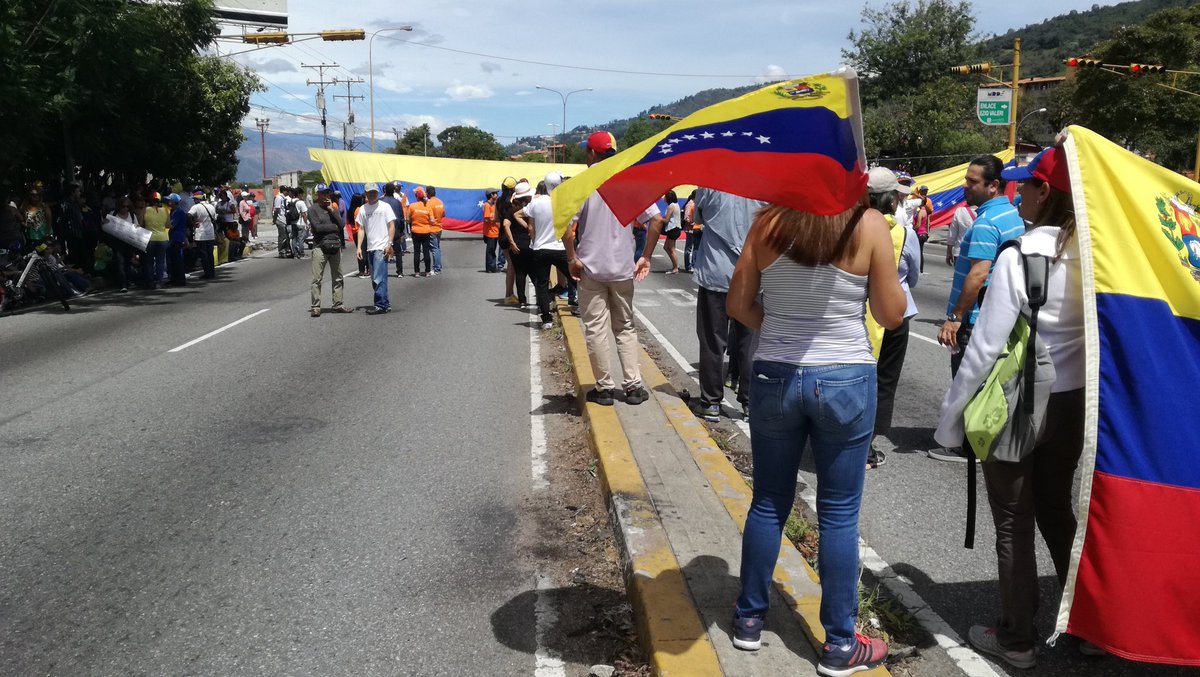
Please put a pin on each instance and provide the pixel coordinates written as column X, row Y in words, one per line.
column 1057, row 210
column 811, row 239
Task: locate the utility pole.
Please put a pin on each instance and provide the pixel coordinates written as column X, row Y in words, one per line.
column 263, row 123
column 348, row 129
column 321, row 83
column 1016, row 87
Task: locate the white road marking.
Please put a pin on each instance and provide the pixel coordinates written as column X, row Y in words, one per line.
column 537, row 425
column 547, row 662
column 218, row 331
column 924, row 338
column 963, row 655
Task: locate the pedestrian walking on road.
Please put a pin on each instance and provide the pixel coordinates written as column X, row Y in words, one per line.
column 548, row 252
column 279, row 216
column 1037, row 489
column 885, row 191
column 520, row 238
column 438, row 208
column 673, row 229
column 493, row 260
column 813, row 382
column 377, row 229
column 204, row 235
column 996, row 222
column 695, row 231
column 420, row 214
column 601, row 263
column 180, row 227
column 298, row 222
column 329, row 239
column 154, row 261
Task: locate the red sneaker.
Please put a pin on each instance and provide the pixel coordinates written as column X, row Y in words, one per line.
column 864, row 654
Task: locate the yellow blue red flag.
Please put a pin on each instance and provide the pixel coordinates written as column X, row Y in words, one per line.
column 946, row 189
column 796, row 144
column 1131, row 587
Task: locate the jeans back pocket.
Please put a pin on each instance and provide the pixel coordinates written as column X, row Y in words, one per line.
column 842, row 402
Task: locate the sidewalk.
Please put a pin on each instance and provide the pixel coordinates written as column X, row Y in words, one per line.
column 679, row 506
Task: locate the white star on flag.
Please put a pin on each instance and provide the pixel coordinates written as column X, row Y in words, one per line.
column 707, row 135
column 726, row 133
column 763, row 139
column 665, row 149
column 675, row 140
column 690, row 137
column 747, row 133
column 479, row 204
column 666, row 146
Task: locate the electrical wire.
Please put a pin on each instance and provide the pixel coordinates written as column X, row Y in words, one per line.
column 579, row 68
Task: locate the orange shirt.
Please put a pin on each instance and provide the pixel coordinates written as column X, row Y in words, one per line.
column 439, row 213
column 421, row 218
column 490, row 227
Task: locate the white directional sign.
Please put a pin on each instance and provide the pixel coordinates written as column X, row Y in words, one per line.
column 994, row 105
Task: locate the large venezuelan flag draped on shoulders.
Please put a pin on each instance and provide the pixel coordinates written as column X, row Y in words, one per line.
column 796, row 144
column 1132, row 588
column 460, row 184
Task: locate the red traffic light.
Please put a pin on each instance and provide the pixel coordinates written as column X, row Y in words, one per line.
column 1072, row 62
column 1140, row 68
column 1077, row 62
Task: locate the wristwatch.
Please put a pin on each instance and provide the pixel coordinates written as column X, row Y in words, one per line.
column 953, row 318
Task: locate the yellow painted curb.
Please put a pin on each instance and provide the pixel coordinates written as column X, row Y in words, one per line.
column 735, row 494
column 669, row 624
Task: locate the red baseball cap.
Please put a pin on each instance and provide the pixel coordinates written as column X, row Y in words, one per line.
column 600, row 142
column 1050, row 166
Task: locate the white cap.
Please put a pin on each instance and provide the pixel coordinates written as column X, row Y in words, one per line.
column 883, row 180
column 553, row 179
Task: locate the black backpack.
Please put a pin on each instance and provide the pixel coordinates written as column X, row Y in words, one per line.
column 291, row 212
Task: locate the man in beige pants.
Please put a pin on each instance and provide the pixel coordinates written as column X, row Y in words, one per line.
column 602, row 263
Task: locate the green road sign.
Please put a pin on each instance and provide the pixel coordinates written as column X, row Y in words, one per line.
column 994, row 105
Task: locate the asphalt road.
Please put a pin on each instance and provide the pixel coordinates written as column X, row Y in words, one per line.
column 914, row 507
column 330, row 496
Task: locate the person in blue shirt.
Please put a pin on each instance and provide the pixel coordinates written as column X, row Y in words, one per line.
column 178, row 231
column 996, row 222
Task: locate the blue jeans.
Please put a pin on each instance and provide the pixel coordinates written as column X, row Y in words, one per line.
column 154, row 264
column 639, row 242
column 435, row 246
column 833, row 406
column 379, row 278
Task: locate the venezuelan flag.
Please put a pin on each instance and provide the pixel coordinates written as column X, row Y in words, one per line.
column 946, row 189
column 797, row 144
column 461, row 184
column 1131, row 589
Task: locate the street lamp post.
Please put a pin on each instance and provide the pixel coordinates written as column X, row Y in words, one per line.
column 1026, row 116
column 564, row 98
column 371, row 72
column 553, row 133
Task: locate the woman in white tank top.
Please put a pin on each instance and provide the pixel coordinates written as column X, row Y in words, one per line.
column 813, row 380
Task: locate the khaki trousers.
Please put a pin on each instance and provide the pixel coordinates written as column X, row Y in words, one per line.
column 606, row 305
column 319, row 259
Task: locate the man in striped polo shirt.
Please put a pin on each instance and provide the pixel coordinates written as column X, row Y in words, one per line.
column 996, row 222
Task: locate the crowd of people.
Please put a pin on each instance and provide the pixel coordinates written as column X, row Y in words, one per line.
column 788, row 298
column 75, row 232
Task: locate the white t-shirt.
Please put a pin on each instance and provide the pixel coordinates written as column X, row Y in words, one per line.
column 673, row 218
column 542, row 214
column 277, row 208
column 902, row 216
column 959, row 223
column 204, row 213
column 302, row 209
column 605, row 244
column 374, row 219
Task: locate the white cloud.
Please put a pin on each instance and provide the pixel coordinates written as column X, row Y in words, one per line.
column 772, row 73
column 460, row 92
column 269, row 66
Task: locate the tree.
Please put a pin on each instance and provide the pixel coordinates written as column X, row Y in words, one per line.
column 928, row 124
column 117, row 86
column 639, row 130
column 1135, row 111
column 415, row 141
column 469, row 143
column 905, row 46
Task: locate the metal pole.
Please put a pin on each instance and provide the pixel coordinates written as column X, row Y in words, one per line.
column 263, row 123
column 371, row 73
column 1016, row 86
column 564, row 98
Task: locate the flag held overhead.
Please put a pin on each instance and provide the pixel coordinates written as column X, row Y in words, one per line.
column 796, row 144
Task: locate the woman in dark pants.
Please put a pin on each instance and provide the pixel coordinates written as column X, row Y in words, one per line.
column 1036, row 489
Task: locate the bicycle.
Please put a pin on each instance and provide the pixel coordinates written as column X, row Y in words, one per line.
column 22, row 292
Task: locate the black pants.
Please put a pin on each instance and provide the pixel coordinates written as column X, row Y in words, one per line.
column 891, row 361
column 399, row 248
column 422, row 250
column 523, row 265
column 175, row 270
column 921, row 240
column 543, row 261
column 713, row 329
column 205, row 250
column 963, row 337
column 1035, row 491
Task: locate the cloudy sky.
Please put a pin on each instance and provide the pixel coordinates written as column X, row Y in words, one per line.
column 478, row 63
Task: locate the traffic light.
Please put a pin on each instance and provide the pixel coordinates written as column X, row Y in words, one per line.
column 336, row 36
column 279, row 37
column 973, row 68
column 1140, row 68
column 1077, row 62
column 660, row 116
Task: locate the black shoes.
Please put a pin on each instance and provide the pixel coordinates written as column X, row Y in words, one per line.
column 636, row 395
column 601, row 397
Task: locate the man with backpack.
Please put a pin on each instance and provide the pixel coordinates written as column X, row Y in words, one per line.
column 279, row 216
column 297, row 219
column 329, row 239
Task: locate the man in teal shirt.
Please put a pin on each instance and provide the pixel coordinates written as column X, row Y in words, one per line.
column 996, row 222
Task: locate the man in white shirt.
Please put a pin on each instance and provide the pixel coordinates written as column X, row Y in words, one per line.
column 300, row 227
column 377, row 226
column 280, row 219
column 548, row 251
column 602, row 264
column 963, row 217
column 204, row 216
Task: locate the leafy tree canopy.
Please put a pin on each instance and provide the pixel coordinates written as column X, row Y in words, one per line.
column 469, row 143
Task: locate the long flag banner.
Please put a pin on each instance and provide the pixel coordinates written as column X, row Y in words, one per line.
column 946, row 189
column 1130, row 588
column 461, row 184
column 796, row 144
